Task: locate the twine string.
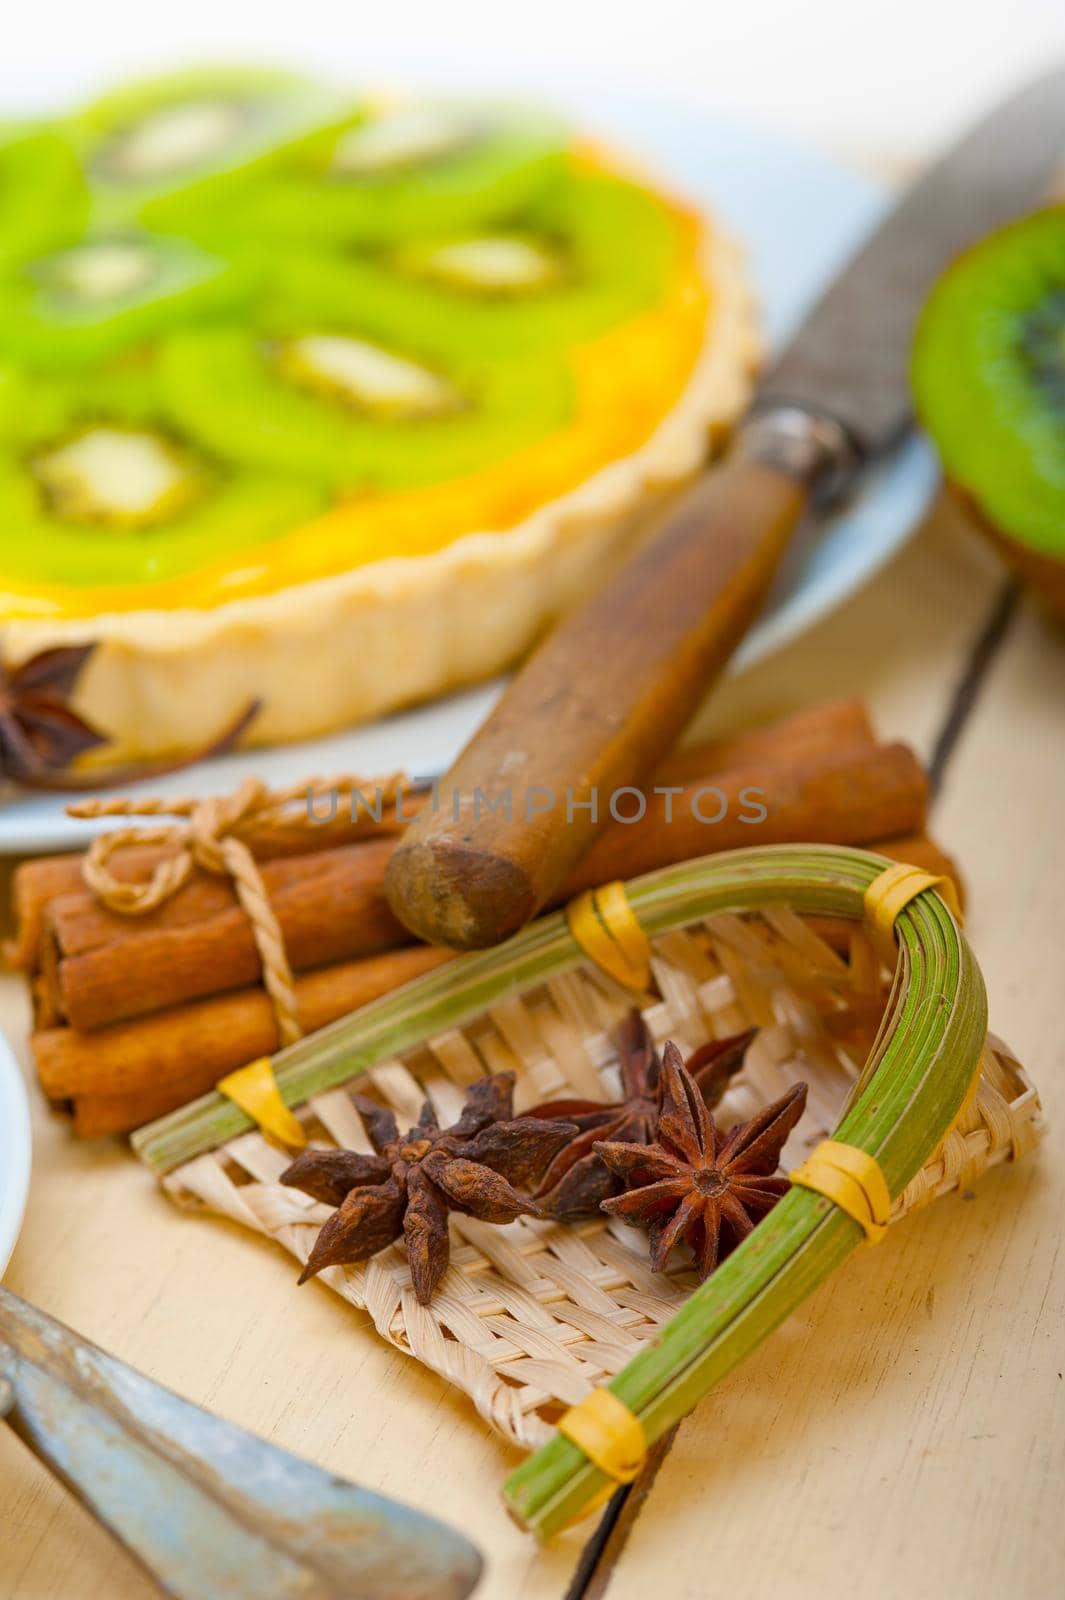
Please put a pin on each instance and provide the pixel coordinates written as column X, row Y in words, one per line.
column 212, row 835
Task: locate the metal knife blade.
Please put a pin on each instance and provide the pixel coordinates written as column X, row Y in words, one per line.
column 211, row 1511
column 849, row 360
column 598, row 705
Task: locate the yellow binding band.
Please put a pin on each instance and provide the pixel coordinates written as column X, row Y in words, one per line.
column 852, row 1180
column 892, row 890
column 610, row 1435
column 604, row 925
column 254, row 1089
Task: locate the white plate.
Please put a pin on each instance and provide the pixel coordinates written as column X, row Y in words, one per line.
column 14, row 1151
column 800, row 215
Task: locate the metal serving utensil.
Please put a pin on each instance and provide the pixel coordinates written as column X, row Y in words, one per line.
column 212, row 1512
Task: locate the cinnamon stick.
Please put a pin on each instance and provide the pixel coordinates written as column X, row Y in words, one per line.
column 189, row 1048
column 74, row 924
column 846, row 797
column 126, row 1075
column 100, row 967
column 330, row 908
column 38, row 883
column 816, row 730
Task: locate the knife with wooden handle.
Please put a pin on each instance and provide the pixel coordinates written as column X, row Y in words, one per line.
column 606, row 695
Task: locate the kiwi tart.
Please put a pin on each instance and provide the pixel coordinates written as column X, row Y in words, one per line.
column 333, row 402
column 989, row 383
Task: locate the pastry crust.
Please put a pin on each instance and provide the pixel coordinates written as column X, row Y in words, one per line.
column 391, row 632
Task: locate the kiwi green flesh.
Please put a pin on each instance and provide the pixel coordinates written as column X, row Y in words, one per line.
column 44, row 200
column 36, row 409
column 80, row 305
column 1042, row 344
column 233, row 512
column 614, row 245
column 257, row 118
column 230, row 509
column 989, row 378
column 227, row 389
column 496, row 173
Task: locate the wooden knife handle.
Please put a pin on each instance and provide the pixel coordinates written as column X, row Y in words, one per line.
column 593, row 710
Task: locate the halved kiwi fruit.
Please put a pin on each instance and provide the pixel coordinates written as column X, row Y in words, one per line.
column 323, row 398
column 101, row 489
column 593, row 251
column 44, row 199
column 402, row 173
column 157, row 148
column 81, row 304
column 989, row 385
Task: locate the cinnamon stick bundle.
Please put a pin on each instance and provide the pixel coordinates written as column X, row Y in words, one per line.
column 125, row 1075
column 38, row 884
column 100, row 967
column 137, row 1015
column 179, row 1054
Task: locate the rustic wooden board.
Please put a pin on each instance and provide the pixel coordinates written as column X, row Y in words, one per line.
column 902, row 1424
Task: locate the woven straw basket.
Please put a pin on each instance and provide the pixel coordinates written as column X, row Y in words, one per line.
column 533, row 1316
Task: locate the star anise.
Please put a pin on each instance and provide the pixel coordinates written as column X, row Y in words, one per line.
column 578, row 1181
column 41, row 735
column 39, row 732
column 411, row 1182
column 695, row 1184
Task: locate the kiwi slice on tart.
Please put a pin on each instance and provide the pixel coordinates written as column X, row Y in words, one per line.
column 99, row 489
column 175, row 144
column 351, row 411
column 44, row 199
column 989, row 385
column 105, row 506
column 407, row 171
column 81, row 304
column 595, row 250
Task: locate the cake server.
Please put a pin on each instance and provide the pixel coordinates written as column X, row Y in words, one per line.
column 211, row 1511
column 609, row 691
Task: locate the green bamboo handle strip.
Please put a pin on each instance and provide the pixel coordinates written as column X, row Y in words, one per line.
column 928, row 1053
column 816, row 879
column 907, row 1096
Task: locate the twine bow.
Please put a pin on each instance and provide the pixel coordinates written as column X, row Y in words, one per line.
column 212, row 839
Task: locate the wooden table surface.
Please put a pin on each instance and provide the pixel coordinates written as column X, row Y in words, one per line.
column 907, row 1427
